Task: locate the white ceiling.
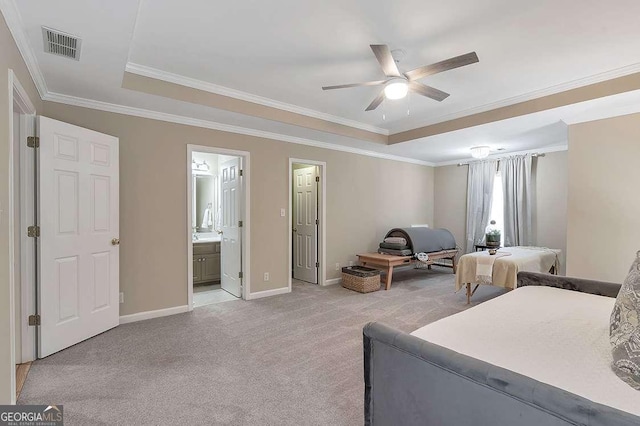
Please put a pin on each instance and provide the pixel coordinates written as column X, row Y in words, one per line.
column 286, row 50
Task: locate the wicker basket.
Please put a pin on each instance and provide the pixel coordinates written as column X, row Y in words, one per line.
column 361, row 279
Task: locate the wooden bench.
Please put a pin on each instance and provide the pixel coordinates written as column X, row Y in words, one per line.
column 387, row 262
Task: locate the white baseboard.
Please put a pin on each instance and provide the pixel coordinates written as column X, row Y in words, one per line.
column 333, row 281
column 140, row 316
column 268, row 293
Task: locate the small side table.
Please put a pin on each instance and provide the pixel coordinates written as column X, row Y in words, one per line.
column 483, row 247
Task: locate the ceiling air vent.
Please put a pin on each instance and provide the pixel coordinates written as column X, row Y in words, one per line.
column 61, row 44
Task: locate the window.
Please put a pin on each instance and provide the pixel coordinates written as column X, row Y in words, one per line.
column 497, row 206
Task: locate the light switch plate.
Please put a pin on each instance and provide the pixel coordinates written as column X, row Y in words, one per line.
column 283, row 212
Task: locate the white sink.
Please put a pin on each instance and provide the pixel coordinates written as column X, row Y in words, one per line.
column 207, row 237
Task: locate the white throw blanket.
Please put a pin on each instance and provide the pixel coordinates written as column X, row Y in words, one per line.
column 484, row 266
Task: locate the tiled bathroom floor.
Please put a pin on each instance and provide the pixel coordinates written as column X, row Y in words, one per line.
column 210, row 294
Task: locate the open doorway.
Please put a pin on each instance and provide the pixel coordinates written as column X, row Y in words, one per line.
column 307, row 230
column 21, row 214
column 216, row 211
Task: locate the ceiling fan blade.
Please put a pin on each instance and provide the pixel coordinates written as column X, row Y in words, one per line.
column 428, row 91
column 388, row 64
column 376, row 102
column 446, row 65
column 346, row 86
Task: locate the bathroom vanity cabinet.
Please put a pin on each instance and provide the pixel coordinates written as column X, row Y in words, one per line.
column 206, row 262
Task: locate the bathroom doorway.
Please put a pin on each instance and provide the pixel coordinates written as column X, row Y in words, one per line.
column 217, row 184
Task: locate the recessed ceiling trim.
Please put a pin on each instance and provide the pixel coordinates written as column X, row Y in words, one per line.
column 150, row 72
column 552, row 90
column 179, row 119
column 619, row 85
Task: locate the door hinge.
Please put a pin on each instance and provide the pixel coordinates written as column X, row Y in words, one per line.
column 33, row 231
column 240, row 274
column 239, row 224
column 33, row 142
column 317, row 178
column 317, row 264
column 34, row 320
column 241, row 172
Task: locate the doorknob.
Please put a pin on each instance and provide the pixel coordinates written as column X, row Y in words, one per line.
column 115, row 242
column 295, row 229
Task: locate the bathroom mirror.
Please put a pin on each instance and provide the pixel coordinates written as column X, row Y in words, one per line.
column 204, row 194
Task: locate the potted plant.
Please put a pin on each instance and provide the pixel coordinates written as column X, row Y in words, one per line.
column 493, row 234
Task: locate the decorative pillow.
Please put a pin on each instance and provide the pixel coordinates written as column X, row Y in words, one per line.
column 624, row 331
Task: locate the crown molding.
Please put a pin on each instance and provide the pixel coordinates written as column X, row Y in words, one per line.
column 14, row 22
column 193, row 83
column 552, row 90
column 179, row 119
column 553, row 148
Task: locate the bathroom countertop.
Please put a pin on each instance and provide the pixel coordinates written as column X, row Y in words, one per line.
column 207, row 239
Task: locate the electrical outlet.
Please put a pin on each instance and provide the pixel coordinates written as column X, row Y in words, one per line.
column 337, row 266
column 121, row 297
column 283, row 212
column 266, row 276
column 351, row 263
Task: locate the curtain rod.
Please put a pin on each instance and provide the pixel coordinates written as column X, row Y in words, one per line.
column 535, row 154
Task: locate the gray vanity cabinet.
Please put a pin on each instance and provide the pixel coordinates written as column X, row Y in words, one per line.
column 206, row 262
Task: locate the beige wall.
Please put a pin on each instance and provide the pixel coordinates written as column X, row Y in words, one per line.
column 365, row 197
column 9, row 59
column 604, row 206
column 550, row 211
column 450, row 201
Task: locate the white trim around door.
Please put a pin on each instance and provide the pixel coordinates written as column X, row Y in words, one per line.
column 245, row 210
column 19, row 100
column 322, row 218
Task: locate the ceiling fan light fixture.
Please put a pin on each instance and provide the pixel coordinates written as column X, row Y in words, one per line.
column 396, row 89
column 480, row 151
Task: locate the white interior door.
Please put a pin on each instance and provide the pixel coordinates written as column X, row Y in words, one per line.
column 231, row 238
column 305, row 224
column 78, row 284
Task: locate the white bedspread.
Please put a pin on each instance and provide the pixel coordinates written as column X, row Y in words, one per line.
column 555, row 336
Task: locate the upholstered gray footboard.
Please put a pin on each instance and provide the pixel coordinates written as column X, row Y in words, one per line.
column 409, row 381
column 568, row 283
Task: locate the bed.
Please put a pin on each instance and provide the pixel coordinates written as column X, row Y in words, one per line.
column 502, row 268
column 538, row 355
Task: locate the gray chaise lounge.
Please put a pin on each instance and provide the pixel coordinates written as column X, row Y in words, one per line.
column 410, row 381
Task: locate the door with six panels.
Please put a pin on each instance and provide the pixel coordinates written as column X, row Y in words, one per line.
column 78, row 247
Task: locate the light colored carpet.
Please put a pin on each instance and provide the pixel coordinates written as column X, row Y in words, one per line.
column 294, row 359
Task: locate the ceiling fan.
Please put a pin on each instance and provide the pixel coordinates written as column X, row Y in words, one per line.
column 397, row 84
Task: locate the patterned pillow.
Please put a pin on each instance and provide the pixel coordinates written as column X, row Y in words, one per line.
column 624, row 331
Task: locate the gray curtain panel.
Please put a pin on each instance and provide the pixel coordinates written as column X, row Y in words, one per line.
column 518, row 198
column 479, row 197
